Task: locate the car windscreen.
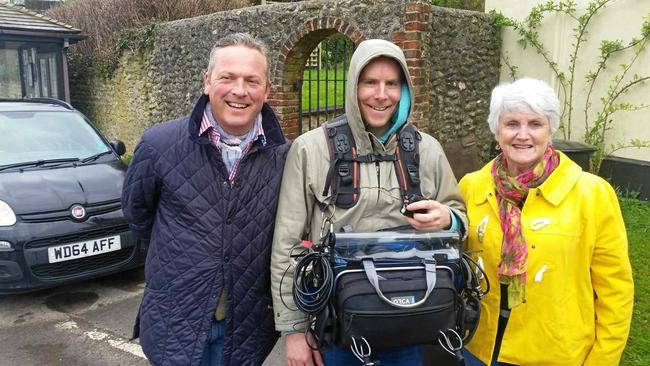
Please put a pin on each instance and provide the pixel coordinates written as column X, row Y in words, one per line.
column 44, row 135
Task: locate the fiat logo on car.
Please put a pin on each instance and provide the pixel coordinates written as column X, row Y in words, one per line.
column 78, row 212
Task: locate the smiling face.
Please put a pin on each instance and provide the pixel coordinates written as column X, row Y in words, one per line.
column 378, row 93
column 523, row 137
column 237, row 86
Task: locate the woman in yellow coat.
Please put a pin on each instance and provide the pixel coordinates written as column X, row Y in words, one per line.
column 551, row 240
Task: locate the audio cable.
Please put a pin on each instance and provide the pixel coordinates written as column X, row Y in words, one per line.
column 313, row 283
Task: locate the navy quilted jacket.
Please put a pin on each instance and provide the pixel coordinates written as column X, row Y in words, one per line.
column 205, row 234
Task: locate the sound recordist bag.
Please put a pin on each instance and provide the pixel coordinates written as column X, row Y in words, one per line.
column 395, row 289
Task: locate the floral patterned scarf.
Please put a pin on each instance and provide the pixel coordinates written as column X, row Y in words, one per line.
column 511, row 194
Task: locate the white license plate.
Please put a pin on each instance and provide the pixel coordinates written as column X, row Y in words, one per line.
column 83, row 249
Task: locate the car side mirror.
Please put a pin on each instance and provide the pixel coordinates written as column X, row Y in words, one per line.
column 119, row 147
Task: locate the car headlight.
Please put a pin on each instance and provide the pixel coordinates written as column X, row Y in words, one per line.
column 7, row 217
column 5, row 246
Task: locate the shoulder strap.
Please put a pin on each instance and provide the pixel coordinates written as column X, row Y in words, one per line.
column 343, row 174
column 407, row 165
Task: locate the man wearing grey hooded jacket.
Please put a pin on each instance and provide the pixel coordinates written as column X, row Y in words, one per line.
column 377, row 106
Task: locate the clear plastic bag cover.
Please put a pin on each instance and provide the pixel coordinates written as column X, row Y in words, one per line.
column 396, row 245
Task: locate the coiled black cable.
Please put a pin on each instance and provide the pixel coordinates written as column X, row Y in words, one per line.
column 471, row 297
column 313, row 283
column 472, row 276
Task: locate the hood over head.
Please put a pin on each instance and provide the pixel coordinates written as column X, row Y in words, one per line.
column 366, row 52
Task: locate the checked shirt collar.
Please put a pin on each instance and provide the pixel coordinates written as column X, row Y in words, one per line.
column 208, row 129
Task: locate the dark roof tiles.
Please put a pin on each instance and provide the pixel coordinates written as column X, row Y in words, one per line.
column 18, row 18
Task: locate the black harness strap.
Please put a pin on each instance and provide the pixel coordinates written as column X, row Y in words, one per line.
column 343, row 174
column 375, row 158
column 407, row 164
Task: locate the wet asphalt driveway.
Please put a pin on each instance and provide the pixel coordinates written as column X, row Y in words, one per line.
column 84, row 324
column 88, row 323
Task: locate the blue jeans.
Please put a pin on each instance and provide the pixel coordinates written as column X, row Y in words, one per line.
column 401, row 356
column 214, row 348
column 471, row 360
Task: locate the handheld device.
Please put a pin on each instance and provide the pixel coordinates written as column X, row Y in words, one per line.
column 410, row 199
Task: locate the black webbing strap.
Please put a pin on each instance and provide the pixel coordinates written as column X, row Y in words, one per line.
column 407, row 164
column 375, row 158
column 343, row 174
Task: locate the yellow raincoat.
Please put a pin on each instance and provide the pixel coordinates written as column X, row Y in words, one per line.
column 579, row 289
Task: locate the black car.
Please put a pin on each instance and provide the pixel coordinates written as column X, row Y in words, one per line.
column 60, row 185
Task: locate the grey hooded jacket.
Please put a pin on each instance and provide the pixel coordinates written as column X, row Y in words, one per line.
column 299, row 216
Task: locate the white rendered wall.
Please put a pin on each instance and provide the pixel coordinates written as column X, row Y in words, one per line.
column 621, row 19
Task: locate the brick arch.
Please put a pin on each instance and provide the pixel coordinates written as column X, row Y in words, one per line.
column 291, row 63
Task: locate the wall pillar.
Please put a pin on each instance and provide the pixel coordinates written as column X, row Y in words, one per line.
column 411, row 41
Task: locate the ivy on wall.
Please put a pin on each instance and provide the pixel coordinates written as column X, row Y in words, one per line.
column 597, row 118
column 477, row 5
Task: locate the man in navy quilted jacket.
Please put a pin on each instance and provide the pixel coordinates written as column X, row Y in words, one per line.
column 204, row 190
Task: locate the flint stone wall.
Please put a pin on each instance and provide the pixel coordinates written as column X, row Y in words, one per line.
column 452, row 55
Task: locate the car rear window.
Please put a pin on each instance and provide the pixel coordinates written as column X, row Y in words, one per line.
column 41, row 135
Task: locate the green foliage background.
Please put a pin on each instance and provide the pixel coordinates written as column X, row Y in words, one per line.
column 637, row 222
column 597, row 119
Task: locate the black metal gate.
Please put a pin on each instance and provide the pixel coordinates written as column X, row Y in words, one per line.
column 322, row 95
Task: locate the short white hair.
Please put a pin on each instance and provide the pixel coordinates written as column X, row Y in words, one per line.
column 524, row 95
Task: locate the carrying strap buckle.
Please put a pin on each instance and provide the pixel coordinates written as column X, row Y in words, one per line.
column 344, row 170
column 413, row 173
